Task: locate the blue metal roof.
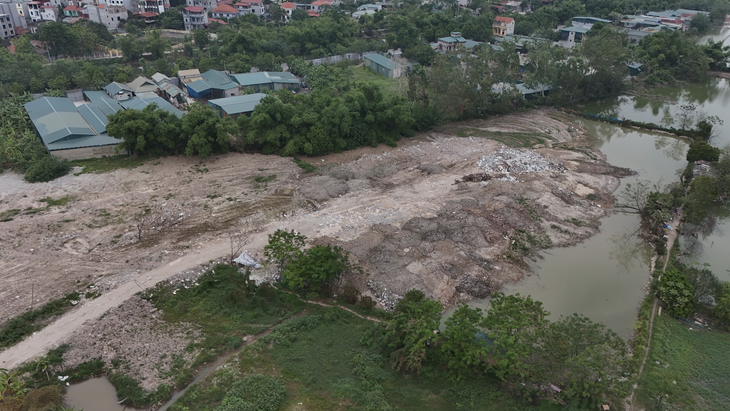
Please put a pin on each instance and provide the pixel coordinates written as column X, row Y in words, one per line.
column 94, row 117
column 56, row 119
column 264, row 77
column 576, row 29
column 115, row 88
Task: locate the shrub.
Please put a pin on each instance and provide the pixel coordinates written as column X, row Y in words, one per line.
column 254, row 393
column 46, row 168
column 367, row 302
column 47, row 398
column 702, row 151
column 350, row 294
column 677, row 293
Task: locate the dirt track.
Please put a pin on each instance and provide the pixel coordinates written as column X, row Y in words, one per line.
column 398, row 210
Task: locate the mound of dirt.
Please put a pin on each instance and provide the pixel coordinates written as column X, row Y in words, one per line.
column 322, row 188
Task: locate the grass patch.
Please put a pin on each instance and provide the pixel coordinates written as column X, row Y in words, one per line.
column 265, row 179
column 691, row 370
column 388, row 86
column 8, row 215
column 107, row 164
column 511, row 139
column 307, row 167
column 226, row 307
column 59, row 202
column 327, row 363
column 29, row 322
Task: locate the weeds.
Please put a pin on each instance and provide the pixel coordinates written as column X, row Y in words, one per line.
column 107, row 164
column 307, row 167
column 29, row 322
column 265, row 179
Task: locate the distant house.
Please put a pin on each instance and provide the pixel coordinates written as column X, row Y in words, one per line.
column 69, row 131
column 109, row 16
column 635, row 36
column 588, row 22
column 168, row 89
column 208, row 5
column 188, row 76
column 224, row 11
column 454, row 42
column 236, row 106
column 570, row 36
column 266, row 80
column 250, row 7
column 213, row 84
column 195, row 18
column 503, row 26
column 288, row 8
column 634, row 68
column 139, row 103
column 383, row 65
column 142, row 85
column 118, row 91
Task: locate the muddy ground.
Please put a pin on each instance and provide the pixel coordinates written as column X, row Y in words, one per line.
column 423, row 215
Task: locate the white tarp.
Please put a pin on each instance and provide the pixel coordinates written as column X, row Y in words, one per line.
column 247, row 260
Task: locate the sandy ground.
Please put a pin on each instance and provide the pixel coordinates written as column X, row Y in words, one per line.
column 400, row 211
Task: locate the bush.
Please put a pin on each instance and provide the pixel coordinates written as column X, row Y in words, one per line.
column 254, row 393
column 677, row 293
column 350, row 294
column 47, row 398
column 702, row 151
column 46, row 168
column 367, row 302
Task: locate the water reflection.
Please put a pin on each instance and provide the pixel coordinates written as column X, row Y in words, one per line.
column 673, row 148
column 628, row 249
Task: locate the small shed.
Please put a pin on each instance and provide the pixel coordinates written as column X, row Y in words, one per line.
column 634, row 68
column 236, row 106
column 382, row 65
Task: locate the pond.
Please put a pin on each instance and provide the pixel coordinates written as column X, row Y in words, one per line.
column 94, row 394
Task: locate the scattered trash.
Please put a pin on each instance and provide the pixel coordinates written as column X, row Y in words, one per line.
column 511, row 161
column 246, row 260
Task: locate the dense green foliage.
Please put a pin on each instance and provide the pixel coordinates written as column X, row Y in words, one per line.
column 20, row 147
column 411, row 330
column 254, row 393
column 702, row 151
column 676, row 293
column 316, row 267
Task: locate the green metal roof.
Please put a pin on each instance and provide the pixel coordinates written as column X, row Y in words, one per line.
column 139, row 103
column 94, row 117
column 576, row 29
column 218, row 80
column 264, row 77
column 106, row 104
column 381, row 61
column 57, row 119
column 238, row 104
column 90, row 141
column 115, row 88
column 199, row 86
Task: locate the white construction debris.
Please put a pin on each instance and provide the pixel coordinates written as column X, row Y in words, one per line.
column 510, row 161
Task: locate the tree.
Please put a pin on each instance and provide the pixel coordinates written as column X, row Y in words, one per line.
column 584, row 358
column 284, row 247
column 148, row 131
column 722, row 309
column 702, row 193
column 676, row 293
column 702, row 151
column 463, row 341
column 59, row 38
column 706, row 286
column 156, row 45
column 299, row 15
column 130, row 47
column 201, row 38
column 205, row 132
column 700, row 23
column 316, row 267
column 515, row 324
column 411, row 330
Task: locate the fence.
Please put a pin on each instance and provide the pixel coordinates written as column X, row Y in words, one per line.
column 341, row 57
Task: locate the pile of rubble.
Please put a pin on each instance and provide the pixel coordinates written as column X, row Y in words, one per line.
column 383, row 295
column 510, row 161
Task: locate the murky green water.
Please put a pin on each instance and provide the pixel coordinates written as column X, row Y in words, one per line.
column 95, row 394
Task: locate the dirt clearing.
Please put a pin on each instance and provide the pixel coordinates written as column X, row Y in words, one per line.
column 406, row 213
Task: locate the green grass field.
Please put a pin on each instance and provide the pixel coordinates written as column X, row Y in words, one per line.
column 517, row 140
column 106, row 164
column 387, row 86
column 685, row 369
column 327, row 364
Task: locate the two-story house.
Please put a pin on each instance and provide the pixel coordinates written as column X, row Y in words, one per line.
column 208, row 5
column 224, row 11
column 503, row 26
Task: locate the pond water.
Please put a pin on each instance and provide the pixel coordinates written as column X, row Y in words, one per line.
column 603, row 277
column 95, row 394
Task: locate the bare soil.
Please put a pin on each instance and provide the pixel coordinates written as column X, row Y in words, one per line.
column 400, row 211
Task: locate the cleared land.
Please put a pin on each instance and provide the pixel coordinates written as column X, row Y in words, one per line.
column 400, row 211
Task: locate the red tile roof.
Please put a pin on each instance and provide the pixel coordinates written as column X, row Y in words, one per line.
column 195, row 9
column 48, row 6
column 321, row 3
column 217, row 21
column 503, row 19
column 149, row 14
column 71, row 7
column 224, row 8
column 287, row 5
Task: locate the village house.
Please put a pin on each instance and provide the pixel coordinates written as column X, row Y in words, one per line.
column 503, row 26
column 195, row 18
column 225, row 11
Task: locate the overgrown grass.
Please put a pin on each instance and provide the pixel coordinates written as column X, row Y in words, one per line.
column 327, row 363
column 686, row 368
column 31, row 321
column 511, row 139
column 388, row 86
column 226, row 307
column 265, row 179
column 307, row 167
column 107, row 164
